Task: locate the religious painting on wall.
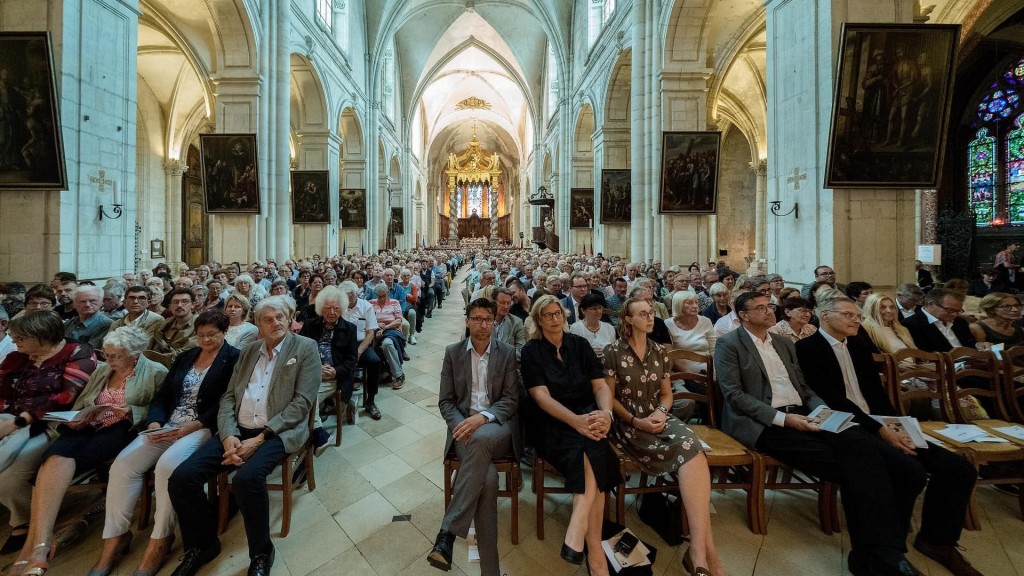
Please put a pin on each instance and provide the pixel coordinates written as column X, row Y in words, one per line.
column 689, row 172
column 230, row 173
column 616, row 196
column 397, row 221
column 352, row 208
column 31, row 148
column 310, row 197
column 891, row 106
column 581, row 208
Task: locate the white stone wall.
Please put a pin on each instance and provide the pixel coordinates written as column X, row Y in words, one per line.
column 736, row 218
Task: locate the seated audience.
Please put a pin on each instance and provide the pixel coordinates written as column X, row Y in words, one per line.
column 183, row 416
column 65, row 292
column 908, row 299
column 1002, row 311
column 508, row 328
column 45, row 374
column 90, row 325
column 937, row 326
column 156, row 299
column 565, row 379
column 796, row 323
column 279, row 287
column 389, row 333
column 858, row 292
column 360, row 313
column 123, row 389
column 7, row 344
column 38, row 297
column 637, row 372
column 721, row 305
column 882, row 325
column 240, row 331
column 307, row 306
column 690, row 331
column 599, row 334
column 259, row 420
column 177, row 333
column 985, row 285
column 137, row 312
column 246, row 286
column 113, row 300
column 619, row 288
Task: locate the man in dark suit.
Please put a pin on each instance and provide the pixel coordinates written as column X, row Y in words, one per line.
column 986, row 285
column 478, row 399
column 766, row 407
column 841, row 371
column 263, row 415
column 579, row 287
column 937, row 325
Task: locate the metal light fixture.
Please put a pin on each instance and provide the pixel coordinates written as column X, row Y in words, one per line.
column 117, row 205
column 776, row 208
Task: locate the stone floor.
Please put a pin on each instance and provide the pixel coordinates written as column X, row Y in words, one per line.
column 392, row 467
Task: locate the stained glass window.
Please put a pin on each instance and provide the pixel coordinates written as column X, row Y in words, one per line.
column 998, row 104
column 1015, row 75
column 475, row 200
column 1015, row 171
column 981, row 176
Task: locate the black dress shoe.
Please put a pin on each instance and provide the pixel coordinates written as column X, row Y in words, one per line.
column 261, row 563
column 440, row 556
column 15, row 540
column 571, row 556
column 196, row 558
column 889, row 564
column 373, row 411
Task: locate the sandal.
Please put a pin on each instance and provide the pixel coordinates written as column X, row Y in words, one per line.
column 18, row 568
column 40, row 568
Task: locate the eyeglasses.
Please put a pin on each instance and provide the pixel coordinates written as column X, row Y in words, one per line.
column 117, row 357
column 762, row 308
column 481, row 320
column 551, row 315
column 849, row 315
column 766, row 291
column 952, row 310
column 645, row 315
column 1008, row 307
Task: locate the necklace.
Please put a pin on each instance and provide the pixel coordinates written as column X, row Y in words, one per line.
column 593, row 330
column 685, row 323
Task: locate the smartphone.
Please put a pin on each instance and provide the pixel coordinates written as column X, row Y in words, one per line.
column 627, row 542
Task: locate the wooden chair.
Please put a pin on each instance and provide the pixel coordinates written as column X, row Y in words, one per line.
column 1012, row 374
column 541, row 470
column 286, row 486
column 910, row 364
column 509, row 466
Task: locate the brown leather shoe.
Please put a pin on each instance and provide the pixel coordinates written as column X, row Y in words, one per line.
column 949, row 556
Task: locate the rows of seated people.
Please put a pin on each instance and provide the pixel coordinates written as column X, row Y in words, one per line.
column 591, row 334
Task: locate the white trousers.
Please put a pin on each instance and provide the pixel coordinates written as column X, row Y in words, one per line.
column 127, row 476
column 16, row 479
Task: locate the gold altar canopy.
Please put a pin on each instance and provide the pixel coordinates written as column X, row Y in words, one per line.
column 473, row 168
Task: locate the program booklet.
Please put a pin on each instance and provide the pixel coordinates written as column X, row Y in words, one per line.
column 74, row 415
column 906, row 427
column 831, row 420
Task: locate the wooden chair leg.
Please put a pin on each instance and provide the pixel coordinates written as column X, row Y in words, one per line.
column 310, row 475
column 513, row 483
column 538, row 487
column 286, row 496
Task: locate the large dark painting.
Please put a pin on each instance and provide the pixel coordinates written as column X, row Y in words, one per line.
column 352, row 208
column 398, row 220
column 616, row 196
column 891, row 105
column 31, row 149
column 310, row 197
column 230, row 173
column 689, row 172
column 581, row 208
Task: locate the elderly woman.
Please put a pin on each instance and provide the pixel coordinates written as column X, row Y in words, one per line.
column 689, row 330
column 1001, row 310
column 565, row 379
column 181, row 418
column 156, row 298
column 389, row 332
column 246, row 286
column 240, row 331
column 338, row 345
column 117, row 397
column 637, row 371
column 279, row 287
column 45, row 374
column 590, row 326
column 796, row 323
column 213, row 300
column 720, row 303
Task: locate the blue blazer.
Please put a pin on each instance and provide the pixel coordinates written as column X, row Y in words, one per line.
column 212, row 388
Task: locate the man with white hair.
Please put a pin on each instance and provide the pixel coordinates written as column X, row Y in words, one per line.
column 89, row 326
column 113, row 301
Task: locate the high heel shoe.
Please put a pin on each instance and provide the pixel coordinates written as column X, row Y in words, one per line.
column 571, row 556
column 163, row 560
column 124, row 546
column 689, row 567
column 40, row 568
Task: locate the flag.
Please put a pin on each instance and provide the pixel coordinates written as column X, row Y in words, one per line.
column 362, row 252
column 423, row 242
column 344, row 246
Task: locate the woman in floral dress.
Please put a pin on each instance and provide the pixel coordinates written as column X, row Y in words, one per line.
column 637, row 370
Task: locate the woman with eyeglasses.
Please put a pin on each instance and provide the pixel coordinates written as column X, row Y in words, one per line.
column 1002, row 311
column 796, row 323
column 565, row 379
column 637, row 371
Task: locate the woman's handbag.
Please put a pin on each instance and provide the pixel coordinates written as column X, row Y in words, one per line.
column 664, row 515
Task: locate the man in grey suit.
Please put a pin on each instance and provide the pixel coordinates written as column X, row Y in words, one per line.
column 766, row 407
column 478, row 399
column 508, row 328
column 264, row 415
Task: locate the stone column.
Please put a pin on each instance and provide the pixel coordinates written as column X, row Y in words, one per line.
column 279, row 237
column 639, row 221
column 173, row 170
column 760, row 169
column 453, row 212
column 492, row 209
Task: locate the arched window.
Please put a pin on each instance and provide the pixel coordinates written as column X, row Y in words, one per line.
column 981, row 176
column 1015, row 170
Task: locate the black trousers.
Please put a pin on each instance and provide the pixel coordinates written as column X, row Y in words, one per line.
column 878, row 490
column 196, row 516
column 370, row 361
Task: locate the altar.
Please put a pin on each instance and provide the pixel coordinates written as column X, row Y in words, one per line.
column 473, row 189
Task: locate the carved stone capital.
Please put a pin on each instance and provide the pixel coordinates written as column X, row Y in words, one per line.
column 760, row 167
column 174, row 168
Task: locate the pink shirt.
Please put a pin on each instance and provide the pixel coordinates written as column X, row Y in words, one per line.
column 388, row 313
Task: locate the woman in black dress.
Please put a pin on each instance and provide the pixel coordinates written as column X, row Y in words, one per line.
column 566, row 380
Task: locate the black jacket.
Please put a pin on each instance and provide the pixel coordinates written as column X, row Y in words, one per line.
column 928, row 338
column 344, row 346
column 215, row 382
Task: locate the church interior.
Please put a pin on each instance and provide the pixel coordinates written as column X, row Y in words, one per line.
column 190, row 131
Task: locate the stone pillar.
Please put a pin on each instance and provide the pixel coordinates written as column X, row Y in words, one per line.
column 863, row 234
column 639, row 221
column 173, row 170
column 492, row 209
column 453, row 211
column 760, row 169
column 279, row 237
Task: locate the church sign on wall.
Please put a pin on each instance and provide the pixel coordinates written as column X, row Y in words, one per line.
column 31, row 148
column 891, row 105
column 230, row 173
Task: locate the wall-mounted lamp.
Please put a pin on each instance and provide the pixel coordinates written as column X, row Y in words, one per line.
column 776, row 208
column 117, row 205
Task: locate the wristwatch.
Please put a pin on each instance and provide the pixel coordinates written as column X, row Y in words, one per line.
column 662, row 408
column 268, row 433
column 20, row 421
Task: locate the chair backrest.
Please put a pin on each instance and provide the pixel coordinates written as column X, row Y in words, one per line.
column 920, row 375
column 887, row 375
column 978, row 376
column 710, row 398
column 1012, row 373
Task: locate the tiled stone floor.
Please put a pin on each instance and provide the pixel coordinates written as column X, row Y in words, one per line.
column 393, row 466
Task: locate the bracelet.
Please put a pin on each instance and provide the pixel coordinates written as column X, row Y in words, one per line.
column 631, row 419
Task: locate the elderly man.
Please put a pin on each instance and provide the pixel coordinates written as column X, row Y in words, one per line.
column 90, row 325
column 113, row 301
column 507, row 327
column 138, row 314
column 177, row 332
column 766, row 407
column 478, row 399
column 937, row 326
column 263, row 416
column 360, row 313
column 908, row 299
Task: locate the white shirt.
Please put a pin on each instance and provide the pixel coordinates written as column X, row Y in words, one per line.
column 363, row 316
column 604, row 336
column 6, row 347
column 700, row 339
column 783, row 391
column 903, row 311
column 479, row 401
column 252, row 411
column 727, row 324
column 946, row 329
column 853, row 393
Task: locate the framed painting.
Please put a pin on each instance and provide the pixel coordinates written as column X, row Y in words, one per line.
column 581, row 208
column 398, row 220
column 689, row 172
column 310, row 197
column 890, row 111
column 352, row 208
column 230, row 168
column 31, row 147
column 616, row 196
